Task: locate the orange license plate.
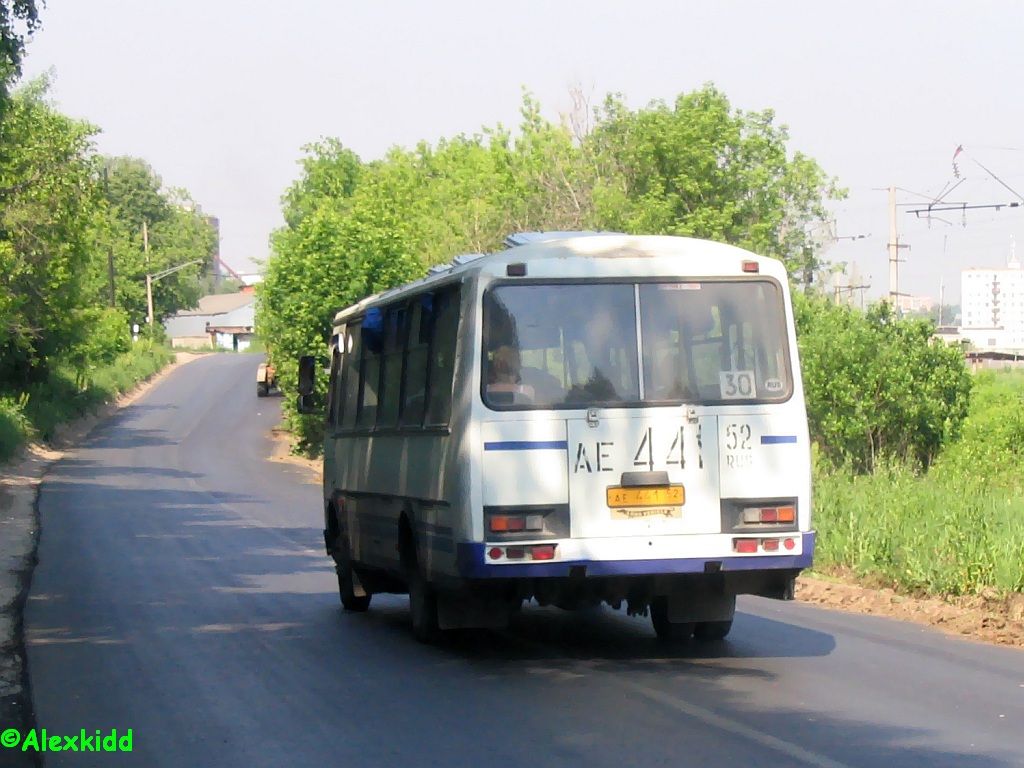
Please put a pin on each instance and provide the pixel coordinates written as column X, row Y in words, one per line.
column 653, row 496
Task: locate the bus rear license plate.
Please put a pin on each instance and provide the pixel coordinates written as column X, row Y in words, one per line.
column 658, row 496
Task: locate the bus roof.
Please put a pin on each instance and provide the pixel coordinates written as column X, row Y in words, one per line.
column 530, row 247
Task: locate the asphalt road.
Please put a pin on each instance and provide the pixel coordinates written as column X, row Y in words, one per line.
column 182, row 592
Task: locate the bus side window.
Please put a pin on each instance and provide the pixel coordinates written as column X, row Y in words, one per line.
column 373, row 347
column 417, row 356
column 396, row 332
column 333, row 388
column 350, row 392
column 442, row 356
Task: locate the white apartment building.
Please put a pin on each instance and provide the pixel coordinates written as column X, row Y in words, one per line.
column 992, row 306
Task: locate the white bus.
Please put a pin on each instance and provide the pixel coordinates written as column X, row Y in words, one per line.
column 580, row 418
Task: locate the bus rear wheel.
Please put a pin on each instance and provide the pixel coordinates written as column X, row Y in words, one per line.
column 665, row 629
column 423, row 610
column 712, row 630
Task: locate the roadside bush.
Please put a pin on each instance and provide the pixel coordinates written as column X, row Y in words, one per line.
column 107, row 334
column 68, row 393
column 15, row 427
column 878, row 388
column 991, row 448
column 958, row 529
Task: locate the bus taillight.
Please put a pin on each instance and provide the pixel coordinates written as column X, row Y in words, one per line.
column 528, row 552
column 544, row 552
column 755, row 515
column 515, row 523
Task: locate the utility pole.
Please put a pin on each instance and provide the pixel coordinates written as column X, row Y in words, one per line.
column 110, row 271
column 894, row 253
column 149, row 281
column 894, row 269
column 157, row 276
column 942, row 291
column 110, row 244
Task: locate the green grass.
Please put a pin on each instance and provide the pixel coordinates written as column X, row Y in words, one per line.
column 959, row 529
column 68, row 394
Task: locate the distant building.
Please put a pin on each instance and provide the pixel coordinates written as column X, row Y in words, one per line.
column 992, row 306
column 908, row 303
column 225, row 320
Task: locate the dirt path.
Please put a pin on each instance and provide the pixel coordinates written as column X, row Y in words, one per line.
column 989, row 618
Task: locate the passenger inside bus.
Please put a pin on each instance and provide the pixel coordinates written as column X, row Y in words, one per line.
column 675, row 324
column 504, row 384
column 504, row 365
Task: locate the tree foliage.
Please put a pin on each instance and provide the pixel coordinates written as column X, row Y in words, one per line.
column 697, row 168
column 150, row 229
column 878, row 388
column 63, row 212
column 18, row 18
column 48, row 222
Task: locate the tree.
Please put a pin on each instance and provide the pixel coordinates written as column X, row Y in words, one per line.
column 18, row 18
column 48, row 225
column 151, row 229
column 701, row 169
column 329, row 172
column 333, row 257
column 355, row 228
column 877, row 387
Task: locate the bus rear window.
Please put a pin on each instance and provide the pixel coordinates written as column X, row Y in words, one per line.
column 714, row 341
column 572, row 345
column 560, row 345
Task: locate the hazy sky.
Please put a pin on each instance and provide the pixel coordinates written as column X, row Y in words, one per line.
column 219, row 97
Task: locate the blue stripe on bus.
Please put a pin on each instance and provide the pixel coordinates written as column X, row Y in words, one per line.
column 777, row 439
column 528, row 445
column 472, row 564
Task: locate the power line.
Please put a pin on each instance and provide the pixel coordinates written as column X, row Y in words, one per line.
column 962, row 207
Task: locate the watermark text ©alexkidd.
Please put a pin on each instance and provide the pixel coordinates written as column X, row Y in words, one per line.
column 38, row 740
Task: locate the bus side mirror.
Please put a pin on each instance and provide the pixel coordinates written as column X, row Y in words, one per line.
column 305, row 404
column 307, row 375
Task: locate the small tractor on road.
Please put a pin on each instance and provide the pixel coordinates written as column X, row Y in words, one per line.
column 266, row 378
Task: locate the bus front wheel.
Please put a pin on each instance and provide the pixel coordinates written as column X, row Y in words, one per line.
column 353, row 596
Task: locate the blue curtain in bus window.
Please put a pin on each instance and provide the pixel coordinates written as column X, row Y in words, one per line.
column 373, row 330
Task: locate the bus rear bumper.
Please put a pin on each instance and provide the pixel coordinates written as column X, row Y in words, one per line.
column 473, row 562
